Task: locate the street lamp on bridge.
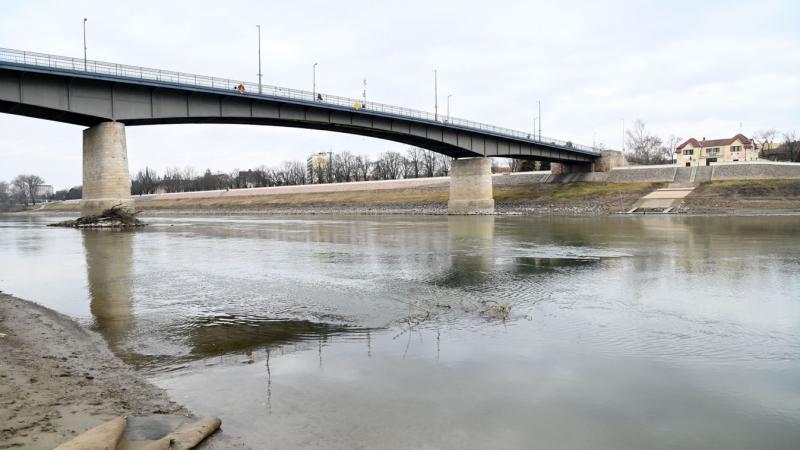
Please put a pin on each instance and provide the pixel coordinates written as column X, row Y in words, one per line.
column 435, row 94
column 84, row 44
column 540, row 119
column 259, row 58
column 448, row 106
column 314, row 81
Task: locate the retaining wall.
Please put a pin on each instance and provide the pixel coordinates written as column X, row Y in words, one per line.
column 635, row 174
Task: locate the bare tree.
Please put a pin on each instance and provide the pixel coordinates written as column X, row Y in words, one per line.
column 363, row 167
column 414, row 157
column 389, row 166
column 344, row 167
column 791, row 146
column 671, row 144
column 443, row 164
column 766, row 138
column 27, row 185
column 643, row 147
column 145, row 182
column 429, row 162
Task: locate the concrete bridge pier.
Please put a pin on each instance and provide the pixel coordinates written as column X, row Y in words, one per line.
column 471, row 187
column 106, row 181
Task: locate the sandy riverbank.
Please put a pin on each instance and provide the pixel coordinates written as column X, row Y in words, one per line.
column 58, row 379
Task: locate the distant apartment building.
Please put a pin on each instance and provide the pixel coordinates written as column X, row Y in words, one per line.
column 707, row 151
column 318, row 168
column 44, row 191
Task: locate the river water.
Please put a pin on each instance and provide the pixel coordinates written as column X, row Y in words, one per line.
column 383, row 332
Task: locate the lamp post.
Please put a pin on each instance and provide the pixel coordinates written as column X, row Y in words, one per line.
column 435, row 94
column 448, row 106
column 540, row 118
column 259, row 58
column 314, row 80
column 84, row 44
column 534, row 126
column 364, row 92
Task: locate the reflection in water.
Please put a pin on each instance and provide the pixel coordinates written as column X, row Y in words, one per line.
column 220, row 335
column 471, row 251
column 109, row 264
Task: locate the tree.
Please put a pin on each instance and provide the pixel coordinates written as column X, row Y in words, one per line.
column 765, row 138
column 344, row 167
column 144, row 182
column 389, row 166
column 414, row 162
column 671, row 144
column 7, row 202
column 363, row 167
column 645, row 148
column 429, row 163
column 27, row 185
column 443, row 164
column 791, row 146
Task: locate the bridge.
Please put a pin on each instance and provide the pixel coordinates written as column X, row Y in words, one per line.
column 106, row 97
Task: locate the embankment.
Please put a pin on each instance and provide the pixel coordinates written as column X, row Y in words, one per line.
column 519, row 193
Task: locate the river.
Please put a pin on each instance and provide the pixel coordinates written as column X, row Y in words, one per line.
column 382, row 332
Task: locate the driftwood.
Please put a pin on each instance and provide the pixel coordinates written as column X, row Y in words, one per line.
column 101, row 437
column 114, row 217
column 109, row 436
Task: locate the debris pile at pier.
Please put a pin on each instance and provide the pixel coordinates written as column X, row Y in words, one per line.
column 114, row 217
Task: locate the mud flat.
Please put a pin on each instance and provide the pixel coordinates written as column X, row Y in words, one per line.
column 58, row 379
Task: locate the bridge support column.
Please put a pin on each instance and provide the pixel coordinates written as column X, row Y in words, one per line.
column 471, row 187
column 106, row 181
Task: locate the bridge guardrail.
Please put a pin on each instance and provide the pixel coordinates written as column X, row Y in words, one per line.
column 267, row 91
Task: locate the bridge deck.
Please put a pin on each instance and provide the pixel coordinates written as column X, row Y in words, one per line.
column 133, row 75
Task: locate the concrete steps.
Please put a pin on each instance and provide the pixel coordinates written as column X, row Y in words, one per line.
column 662, row 201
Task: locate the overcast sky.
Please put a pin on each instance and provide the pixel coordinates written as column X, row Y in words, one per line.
column 687, row 68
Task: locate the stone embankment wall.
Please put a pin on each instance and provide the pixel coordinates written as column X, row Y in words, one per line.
column 632, row 174
column 673, row 174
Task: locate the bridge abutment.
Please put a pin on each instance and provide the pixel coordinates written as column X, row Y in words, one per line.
column 608, row 160
column 471, row 187
column 106, row 181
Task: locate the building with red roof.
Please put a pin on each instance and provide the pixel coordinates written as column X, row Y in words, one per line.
column 703, row 152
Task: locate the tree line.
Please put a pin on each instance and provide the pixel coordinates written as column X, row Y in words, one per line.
column 22, row 191
column 340, row 167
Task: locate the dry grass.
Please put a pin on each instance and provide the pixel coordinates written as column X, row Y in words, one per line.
column 407, row 198
column 582, row 190
column 354, row 198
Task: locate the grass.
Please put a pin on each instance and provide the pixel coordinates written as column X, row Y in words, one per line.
column 357, row 198
column 568, row 191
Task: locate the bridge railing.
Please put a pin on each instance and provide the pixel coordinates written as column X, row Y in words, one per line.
column 253, row 89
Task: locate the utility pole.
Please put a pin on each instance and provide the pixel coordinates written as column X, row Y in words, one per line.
column 259, row 58
column 448, row 106
column 435, row 94
column 623, row 135
column 314, row 89
column 84, row 45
